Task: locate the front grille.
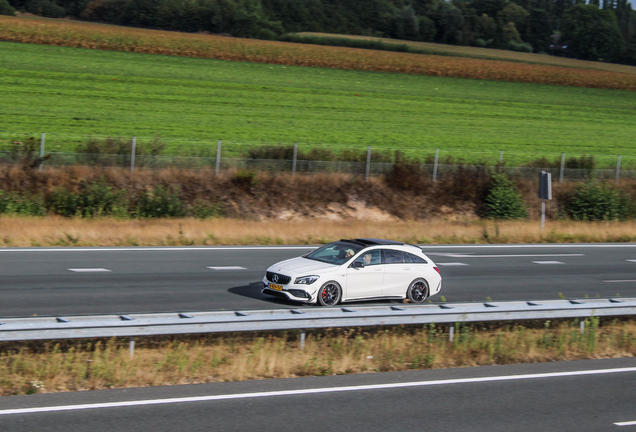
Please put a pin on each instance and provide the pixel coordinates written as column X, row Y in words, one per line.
column 282, row 279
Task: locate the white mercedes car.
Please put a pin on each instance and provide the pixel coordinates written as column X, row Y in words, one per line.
column 352, row 270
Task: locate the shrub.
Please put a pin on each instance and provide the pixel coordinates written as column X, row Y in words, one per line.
column 6, row 8
column 592, row 201
column 406, row 175
column 160, row 202
column 16, row 204
column 245, row 179
column 202, row 209
column 521, row 47
column 93, row 199
column 503, row 200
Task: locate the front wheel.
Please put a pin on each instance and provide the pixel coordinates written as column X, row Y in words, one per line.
column 418, row 291
column 329, row 294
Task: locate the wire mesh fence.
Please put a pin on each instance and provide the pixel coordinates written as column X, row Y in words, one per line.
column 59, row 150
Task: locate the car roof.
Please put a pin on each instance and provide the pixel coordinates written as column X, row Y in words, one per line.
column 373, row 242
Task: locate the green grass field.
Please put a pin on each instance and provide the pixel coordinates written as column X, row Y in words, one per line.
column 82, row 92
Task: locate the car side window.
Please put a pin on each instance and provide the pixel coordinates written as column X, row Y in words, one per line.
column 393, row 256
column 414, row 258
column 371, row 257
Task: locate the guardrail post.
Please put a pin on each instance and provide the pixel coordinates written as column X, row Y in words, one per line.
column 582, row 324
column 368, row 166
column 302, row 339
column 132, row 347
column 618, row 168
column 132, row 154
column 218, row 158
column 451, row 332
column 562, row 167
column 435, row 164
column 294, row 158
column 41, row 152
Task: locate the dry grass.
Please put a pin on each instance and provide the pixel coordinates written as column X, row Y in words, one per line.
column 57, row 231
column 106, row 37
column 493, row 54
column 87, row 365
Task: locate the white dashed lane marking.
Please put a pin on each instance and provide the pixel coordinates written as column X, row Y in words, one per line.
column 547, row 262
column 228, row 268
column 631, row 423
column 451, row 264
column 628, row 280
column 88, row 270
column 631, row 260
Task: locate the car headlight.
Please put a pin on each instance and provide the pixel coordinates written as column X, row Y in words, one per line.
column 306, row 280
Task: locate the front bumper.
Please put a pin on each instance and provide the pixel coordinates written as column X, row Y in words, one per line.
column 288, row 292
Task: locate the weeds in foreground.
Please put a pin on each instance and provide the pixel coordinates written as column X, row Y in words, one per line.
column 98, row 364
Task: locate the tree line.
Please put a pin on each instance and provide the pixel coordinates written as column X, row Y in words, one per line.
column 601, row 30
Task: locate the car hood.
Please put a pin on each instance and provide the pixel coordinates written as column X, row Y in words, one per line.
column 302, row 265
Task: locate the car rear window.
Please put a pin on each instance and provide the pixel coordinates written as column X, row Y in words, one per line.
column 408, row 257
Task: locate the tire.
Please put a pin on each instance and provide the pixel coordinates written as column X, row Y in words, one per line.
column 329, row 294
column 418, row 291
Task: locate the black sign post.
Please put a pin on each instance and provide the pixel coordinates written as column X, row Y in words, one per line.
column 545, row 192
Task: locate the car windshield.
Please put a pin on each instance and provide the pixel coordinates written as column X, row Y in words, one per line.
column 336, row 253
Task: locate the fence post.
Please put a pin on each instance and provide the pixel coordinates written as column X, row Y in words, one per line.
column 294, row 159
column 451, row 332
column 132, row 154
column 218, row 158
column 302, row 339
column 562, row 167
column 618, row 169
column 368, row 166
column 435, row 164
column 41, row 151
column 132, row 347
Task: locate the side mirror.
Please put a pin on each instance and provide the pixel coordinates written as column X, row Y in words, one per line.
column 357, row 264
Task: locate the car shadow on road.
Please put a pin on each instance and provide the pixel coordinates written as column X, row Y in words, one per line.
column 253, row 291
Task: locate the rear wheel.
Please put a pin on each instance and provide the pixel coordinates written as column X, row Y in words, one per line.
column 329, row 294
column 418, row 291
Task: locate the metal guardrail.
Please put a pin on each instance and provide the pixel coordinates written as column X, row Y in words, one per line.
column 69, row 327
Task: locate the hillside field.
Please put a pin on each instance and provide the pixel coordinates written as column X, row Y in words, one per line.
column 65, row 90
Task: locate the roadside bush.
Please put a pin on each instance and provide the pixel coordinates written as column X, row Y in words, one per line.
column 406, row 175
column 503, row 200
column 592, row 201
column 92, row 199
column 521, row 47
column 245, row 179
column 6, row 8
column 159, row 202
column 16, row 204
column 203, row 210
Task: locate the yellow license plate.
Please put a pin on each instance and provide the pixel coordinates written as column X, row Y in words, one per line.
column 276, row 287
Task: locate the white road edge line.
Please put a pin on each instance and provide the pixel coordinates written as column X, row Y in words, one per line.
column 88, row 270
column 312, row 391
column 451, row 264
column 630, row 423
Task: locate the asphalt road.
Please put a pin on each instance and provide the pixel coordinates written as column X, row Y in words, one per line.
column 589, row 395
column 63, row 281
